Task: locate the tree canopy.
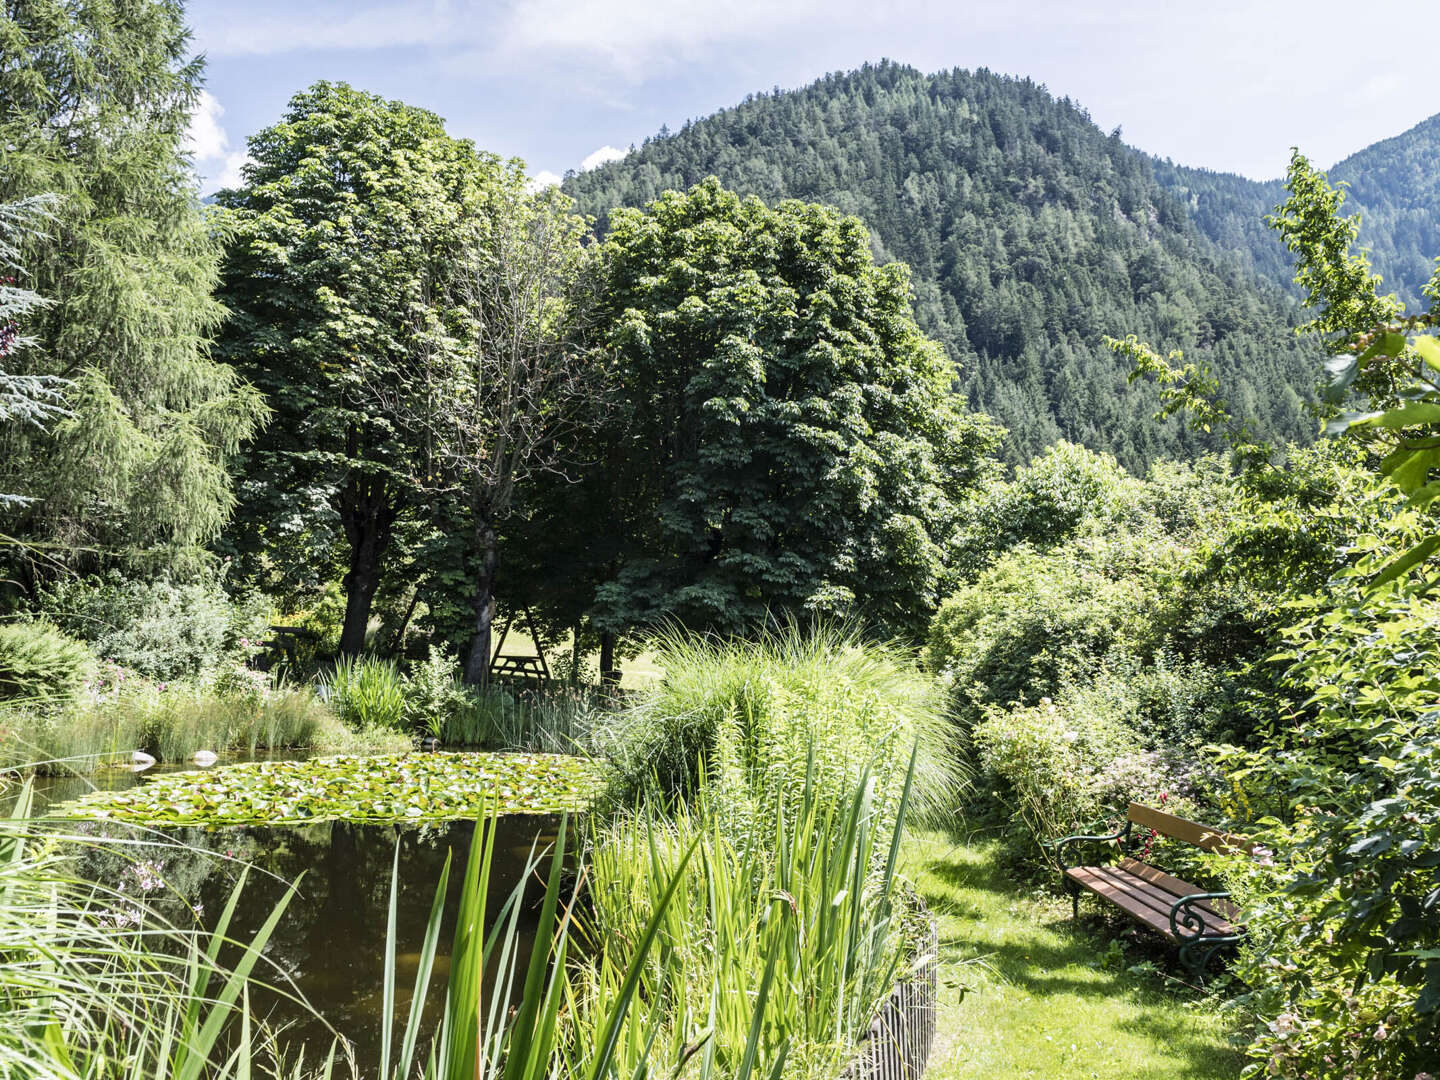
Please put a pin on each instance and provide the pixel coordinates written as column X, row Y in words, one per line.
column 336, row 274
column 97, row 98
column 787, row 439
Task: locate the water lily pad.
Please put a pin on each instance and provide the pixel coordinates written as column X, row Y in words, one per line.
column 384, row 788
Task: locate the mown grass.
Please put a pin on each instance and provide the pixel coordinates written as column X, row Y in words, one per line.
column 1026, row 993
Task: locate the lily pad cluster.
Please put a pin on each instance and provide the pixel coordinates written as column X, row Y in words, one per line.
column 416, row 787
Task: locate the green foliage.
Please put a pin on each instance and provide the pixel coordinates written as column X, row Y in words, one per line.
column 788, row 442
column 1034, row 622
column 779, row 942
column 760, row 716
column 166, row 629
column 1345, row 952
column 1030, row 234
column 32, row 400
column 1050, row 499
column 97, row 101
column 337, row 271
column 1336, row 281
column 367, row 692
column 40, row 665
column 1392, row 183
column 414, row 787
column 123, row 713
column 1058, row 768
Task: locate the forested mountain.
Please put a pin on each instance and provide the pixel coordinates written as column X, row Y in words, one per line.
column 1031, row 235
column 1393, row 184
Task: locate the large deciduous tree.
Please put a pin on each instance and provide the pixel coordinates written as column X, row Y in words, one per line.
column 507, row 401
column 788, row 442
column 95, row 99
column 353, row 214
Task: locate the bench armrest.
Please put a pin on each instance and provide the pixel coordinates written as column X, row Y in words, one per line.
column 1059, row 845
column 1187, row 924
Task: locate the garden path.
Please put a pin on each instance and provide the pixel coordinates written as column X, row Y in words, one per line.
column 1024, row 993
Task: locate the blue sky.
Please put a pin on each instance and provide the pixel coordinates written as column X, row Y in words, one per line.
column 1224, row 84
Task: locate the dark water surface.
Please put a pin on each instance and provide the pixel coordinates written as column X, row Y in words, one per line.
column 328, row 948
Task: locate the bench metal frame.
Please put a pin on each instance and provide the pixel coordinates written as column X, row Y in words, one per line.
column 1186, row 924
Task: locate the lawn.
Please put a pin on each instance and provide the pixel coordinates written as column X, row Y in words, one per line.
column 1024, row 993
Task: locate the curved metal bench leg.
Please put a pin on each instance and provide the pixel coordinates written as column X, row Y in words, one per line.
column 1207, row 948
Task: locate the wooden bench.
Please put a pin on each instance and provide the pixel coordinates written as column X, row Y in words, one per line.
column 1198, row 921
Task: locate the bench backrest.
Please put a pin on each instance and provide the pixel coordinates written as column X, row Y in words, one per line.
column 1191, row 832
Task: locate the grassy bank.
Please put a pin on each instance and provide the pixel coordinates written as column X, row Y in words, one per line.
column 1024, row 993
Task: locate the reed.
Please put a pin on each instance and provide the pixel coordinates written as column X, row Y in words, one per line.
column 96, row 984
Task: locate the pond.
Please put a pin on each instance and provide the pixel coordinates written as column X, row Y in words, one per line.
column 326, row 955
column 329, row 947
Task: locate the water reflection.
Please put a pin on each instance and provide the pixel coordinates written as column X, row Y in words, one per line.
column 328, row 949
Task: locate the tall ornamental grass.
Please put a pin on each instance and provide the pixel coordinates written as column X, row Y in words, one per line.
column 763, row 714
column 776, row 946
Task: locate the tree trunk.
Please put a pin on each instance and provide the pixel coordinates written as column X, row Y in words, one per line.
column 609, row 675
column 477, row 660
column 367, row 514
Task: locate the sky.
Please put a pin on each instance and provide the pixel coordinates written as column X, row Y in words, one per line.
column 1229, row 85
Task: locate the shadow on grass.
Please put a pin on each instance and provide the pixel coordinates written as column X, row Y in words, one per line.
column 1031, row 944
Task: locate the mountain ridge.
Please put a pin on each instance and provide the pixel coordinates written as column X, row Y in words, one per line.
column 1031, row 235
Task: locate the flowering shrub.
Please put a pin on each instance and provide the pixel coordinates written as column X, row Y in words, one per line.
column 1060, row 771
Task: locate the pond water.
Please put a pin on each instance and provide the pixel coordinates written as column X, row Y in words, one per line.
column 328, row 948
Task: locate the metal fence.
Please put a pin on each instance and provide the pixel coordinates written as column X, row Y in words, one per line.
column 897, row 1044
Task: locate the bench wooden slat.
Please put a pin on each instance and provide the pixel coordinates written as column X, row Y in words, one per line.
column 1136, row 890
column 1108, row 888
column 1221, row 908
column 1143, row 900
column 1191, row 832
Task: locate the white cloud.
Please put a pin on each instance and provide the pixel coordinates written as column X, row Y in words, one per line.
column 230, row 175
column 600, row 156
column 216, row 162
column 205, row 138
column 635, row 34
column 543, row 179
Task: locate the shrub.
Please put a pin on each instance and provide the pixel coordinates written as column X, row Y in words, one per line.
column 1065, row 769
column 1065, row 490
column 1344, row 950
column 40, row 664
column 1033, row 623
column 166, row 630
column 438, row 702
column 367, row 693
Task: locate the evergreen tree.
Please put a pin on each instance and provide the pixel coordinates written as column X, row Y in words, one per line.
column 97, row 99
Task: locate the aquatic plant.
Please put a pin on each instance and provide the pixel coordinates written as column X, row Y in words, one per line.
column 367, row 691
column 414, row 787
column 95, row 983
